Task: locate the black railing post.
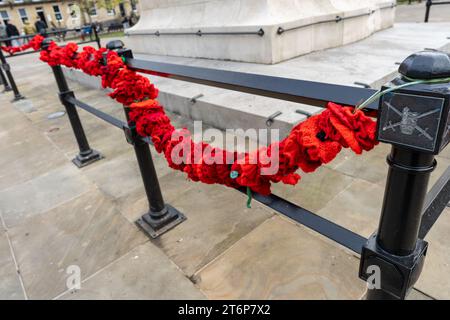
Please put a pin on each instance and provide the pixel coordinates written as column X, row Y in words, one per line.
column 427, row 10
column 96, row 37
column 415, row 122
column 7, row 68
column 86, row 155
column 161, row 216
column 4, row 81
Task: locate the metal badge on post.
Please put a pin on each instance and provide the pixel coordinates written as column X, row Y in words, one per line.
column 415, row 120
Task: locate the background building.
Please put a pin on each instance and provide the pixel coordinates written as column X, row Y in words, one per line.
column 70, row 14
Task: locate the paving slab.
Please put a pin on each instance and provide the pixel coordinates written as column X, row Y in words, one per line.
column 282, row 261
column 120, row 176
column 10, row 287
column 217, row 217
column 370, row 166
column 417, row 295
column 87, row 232
column 143, row 273
column 42, row 193
column 357, row 207
column 11, row 118
column 26, row 154
column 173, row 185
column 314, row 190
column 434, row 280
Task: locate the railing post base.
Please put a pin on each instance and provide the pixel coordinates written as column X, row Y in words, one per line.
column 161, row 216
column 7, row 89
column 154, row 226
column 397, row 274
column 4, row 82
column 18, row 97
column 82, row 160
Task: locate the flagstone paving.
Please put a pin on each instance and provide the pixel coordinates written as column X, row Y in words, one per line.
column 10, row 287
column 55, row 216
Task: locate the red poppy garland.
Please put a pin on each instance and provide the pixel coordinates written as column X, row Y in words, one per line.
column 34, row 44
column 310, row 144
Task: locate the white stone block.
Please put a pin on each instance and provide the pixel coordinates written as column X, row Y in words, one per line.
column 309, row 25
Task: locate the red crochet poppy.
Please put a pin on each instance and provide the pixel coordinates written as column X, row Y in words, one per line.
column 309, row 145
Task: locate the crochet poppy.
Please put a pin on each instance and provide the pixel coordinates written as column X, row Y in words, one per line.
column 310, row 143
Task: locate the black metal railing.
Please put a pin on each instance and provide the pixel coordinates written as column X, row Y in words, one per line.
column 408, row 211
column 431, row 3
column 9, row 83
column 397, row 248
column 301, row 91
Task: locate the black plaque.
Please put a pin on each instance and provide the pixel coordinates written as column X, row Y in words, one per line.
column 410, row 120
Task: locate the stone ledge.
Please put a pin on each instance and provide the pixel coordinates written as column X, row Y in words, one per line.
column 171, row 28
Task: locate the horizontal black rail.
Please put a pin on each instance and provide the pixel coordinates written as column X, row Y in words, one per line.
column 18, row 54
column 435, row 202
column 49, row 33
column 428, row 6
column 93, row 37
column 433, row 3
column 104, row 116
column 99, row 114
column 337, row 19
column 327, row 228
column 301, row 91
column 199, row 33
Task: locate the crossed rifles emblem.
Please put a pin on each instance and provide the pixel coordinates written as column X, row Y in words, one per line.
column 408, row 123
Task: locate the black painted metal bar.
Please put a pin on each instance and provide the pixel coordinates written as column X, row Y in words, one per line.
column 96, row 37
column 428, row 6
column 99, row 114
column 47, row 33
column 7, row 68
column 199, row 33
column 435, row 202
column 34, row 51
column 301, row 91
column 327, row 228
column 86, row 154
column 5, row 83
column 160, row 217
column 398, row 231
column 409, row 173
column 337, row 19
column 427, row 10
column 434, row 3
column 18, row 54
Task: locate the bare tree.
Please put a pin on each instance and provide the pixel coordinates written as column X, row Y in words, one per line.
column 87, row 6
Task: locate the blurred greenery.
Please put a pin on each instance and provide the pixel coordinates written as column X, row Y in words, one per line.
column 115, row 34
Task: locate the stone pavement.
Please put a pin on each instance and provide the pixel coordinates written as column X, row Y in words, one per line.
column 55, row 215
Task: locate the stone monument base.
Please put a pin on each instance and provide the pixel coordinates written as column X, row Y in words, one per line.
column 260, row 31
